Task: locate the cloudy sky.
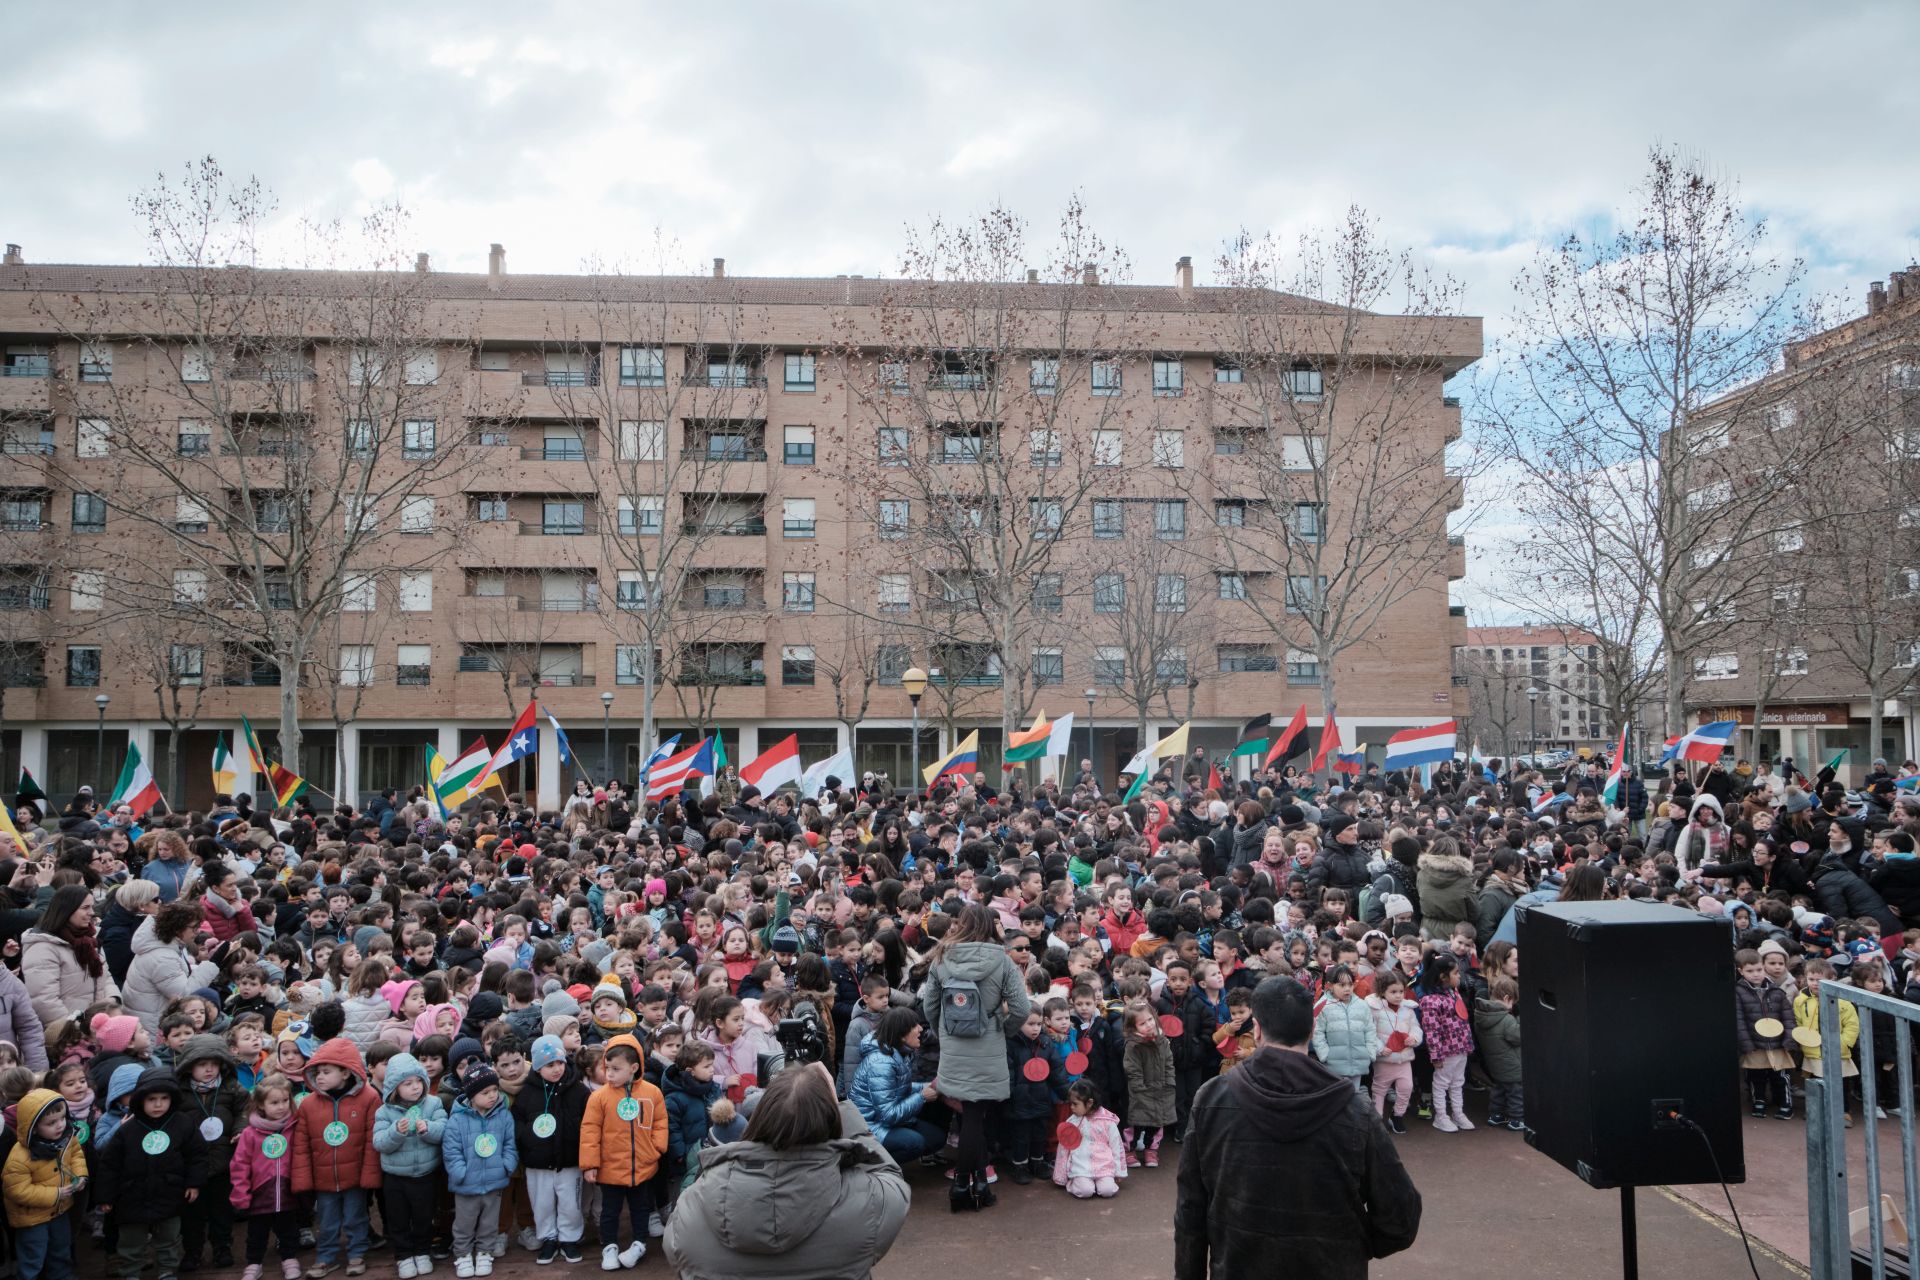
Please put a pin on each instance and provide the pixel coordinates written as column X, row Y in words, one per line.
column 800, row 139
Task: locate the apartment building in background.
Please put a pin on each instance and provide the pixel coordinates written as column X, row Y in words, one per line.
column 1533, row 687
column 792, row 446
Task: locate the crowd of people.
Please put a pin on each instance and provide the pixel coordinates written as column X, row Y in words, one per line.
column 594, row 1028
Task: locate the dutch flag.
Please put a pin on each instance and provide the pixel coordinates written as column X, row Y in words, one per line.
column 1428, row 744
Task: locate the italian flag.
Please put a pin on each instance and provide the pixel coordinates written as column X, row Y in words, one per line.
column 136, row 786
column 226, row 778
column 1029, row 744
column 1615, row 792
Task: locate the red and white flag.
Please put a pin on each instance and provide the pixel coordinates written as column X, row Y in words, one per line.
column 775, row 767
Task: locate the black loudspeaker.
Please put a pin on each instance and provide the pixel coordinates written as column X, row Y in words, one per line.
column 1626, row 1015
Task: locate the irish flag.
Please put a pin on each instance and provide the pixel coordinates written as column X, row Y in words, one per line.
column 1141, row 766
column 1615, row 792
column 775, row 767
column 136, row 786
column 1029, row 744
column 226, row 778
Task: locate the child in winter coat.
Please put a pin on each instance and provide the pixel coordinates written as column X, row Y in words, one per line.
column 333, row 1154
column 408, row 1129
column 1343, row 1030
column 1765, row 1059
column 1498, row 1033
column 736, row 1061
column 215, row 1102
column 1151, row 1103
column 1106, row 1048
column 148, row 1171
column 547, row 1115
column 622, row 1138
column 480, row 1156
column 43, row 1174
column 1234, row 1036
column 1035, row 1090
column 1396, row 1025
column 261, row 1179
column 1806, row 1013
column 1444, row 1019
column 690, row 1087
column 1095, row 1164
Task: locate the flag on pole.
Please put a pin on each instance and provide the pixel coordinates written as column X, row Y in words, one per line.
column 1141, row 766
column 1283, row 746
column 775, row 767
column 1615, row 792
column 1060, row 736
column 838, row 765
column 136, row 786
column 1703, row 744
column 965, row 755
column 1329, row 744
column 1551, row 801
column 566, row 748
column 1029, row 744
column 436, row 770
column 1350, row 761
column 1428, row 744
column 720, row 761
column 29, row 792
column 225, row 776
column 256, row 759
column 1838, row 756
column 1255, row 736
column 459, row 781
column 671, row 774
column 282, row 781
column 661, row 752
column 1213, row 779
column 522, row 741
column 8, row 829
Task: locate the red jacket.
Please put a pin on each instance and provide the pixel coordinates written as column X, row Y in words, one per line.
column 225, row 927
column 317, row 1165
column 261, row 1184
column 1121, row 937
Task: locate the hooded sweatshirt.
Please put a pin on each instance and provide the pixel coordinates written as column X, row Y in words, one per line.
column 113, row 1110
column 348, row 1160
column 411, row 1154
column 36, row 1169
column 220, row 1110
column 1283, row 1159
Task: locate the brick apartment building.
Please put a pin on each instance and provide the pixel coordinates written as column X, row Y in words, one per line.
column 781, row 433
column 1500, row 664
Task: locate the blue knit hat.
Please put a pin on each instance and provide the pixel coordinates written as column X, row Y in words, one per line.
column 548, row 1049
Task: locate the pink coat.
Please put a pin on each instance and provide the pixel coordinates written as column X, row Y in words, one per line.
column 741, row 1058
column 1102, row 1152
column 261, row 1185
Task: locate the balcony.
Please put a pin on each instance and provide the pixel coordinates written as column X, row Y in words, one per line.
column 267, row 373
column 552, row 529
column 723, row 454
column 558, row 680
column 31, row 367
column 983, row 680
column 724, row 379
column 555, row 451
column 248, row 680
column 723, row 679
column 561, row 378
column 751, row 528
column 14, row 446
column 26, row 383
column 415, row 677
column 24, row 524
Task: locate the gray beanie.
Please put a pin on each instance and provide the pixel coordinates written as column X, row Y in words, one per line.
column 558, row 1004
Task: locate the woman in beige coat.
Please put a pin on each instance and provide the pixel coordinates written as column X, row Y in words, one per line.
column 60, row 958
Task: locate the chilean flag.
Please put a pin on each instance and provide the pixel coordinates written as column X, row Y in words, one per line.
column 1704, row 744
column 1429, row 744
column 774, row 767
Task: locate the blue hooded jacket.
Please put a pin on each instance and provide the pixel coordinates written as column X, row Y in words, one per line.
column 408, row 1155
column 119, row 1085
column 468, row 1172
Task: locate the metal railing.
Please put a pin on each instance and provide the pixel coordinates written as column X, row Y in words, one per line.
column 746, row 528
column 1829, row 1227
column 556, row 452
column 562, row 680
column 561, row 378
column 726, row 379
column 11, row 445
column 706, row 453
column 554, row 528
column 41, row 368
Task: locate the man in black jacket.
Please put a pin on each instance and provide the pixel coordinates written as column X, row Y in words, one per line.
column 1285, row 1169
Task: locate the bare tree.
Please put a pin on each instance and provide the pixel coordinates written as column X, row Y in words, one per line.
column 162, row 654
column 849, row 661
column 1149, row 621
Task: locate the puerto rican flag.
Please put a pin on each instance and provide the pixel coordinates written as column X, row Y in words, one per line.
column 673, row 773
column 1428, row 744
column 1704, row 744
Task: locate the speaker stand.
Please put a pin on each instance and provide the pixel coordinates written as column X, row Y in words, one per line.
column 1629, row 1237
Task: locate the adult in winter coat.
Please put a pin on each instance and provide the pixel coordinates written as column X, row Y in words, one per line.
column 163, row 969
column 1506, row 884
column 132, row 902
column 884, row 1093
column 1842, row 894
column 1342, row 863
column 806, row 1192
column 227, row 914
column 1704, row 839
column 1767, row 869
column 18, row 1022
column 1250, row 834
column 973, row 994
column 1447, row 896
column 60, row 959
column 1286, row 1171
column 1897, row 880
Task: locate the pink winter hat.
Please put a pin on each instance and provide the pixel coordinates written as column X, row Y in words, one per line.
column 396, row 993
column 656, row 886
column 115, row 1031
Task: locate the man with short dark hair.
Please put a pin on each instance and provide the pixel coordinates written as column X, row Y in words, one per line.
column 1285, row 1169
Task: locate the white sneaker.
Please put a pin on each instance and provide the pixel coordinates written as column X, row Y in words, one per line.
column 407, row 1270
column 610, row 1258
column 464, row 1267
column 1461, row 1122
column 631, row 1255
column 655, row 1227
column 483, row 1265
column 500, row 1245
column 423, row 1265
column 1443, row 1124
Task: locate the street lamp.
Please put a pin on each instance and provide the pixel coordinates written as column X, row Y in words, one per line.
column 100, row 701
column 914, row 681
column 1533, row 735
column 606, row 735
column 1091, row 695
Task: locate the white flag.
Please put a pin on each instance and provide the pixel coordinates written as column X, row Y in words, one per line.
column 1060, row 737
column 814, row 780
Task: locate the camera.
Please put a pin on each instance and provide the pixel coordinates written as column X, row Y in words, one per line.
column 802, row 1038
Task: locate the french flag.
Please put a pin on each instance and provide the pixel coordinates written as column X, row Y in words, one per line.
column 1428, row 744
column 1704, row 744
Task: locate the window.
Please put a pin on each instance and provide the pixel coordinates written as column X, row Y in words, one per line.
column 361, row 438
column 1299, row 453
column 1169, row 593
column 895, row 378
column 1309, row 522
column 1043, row 376
column 630, row 590
column 1790, row 662
column 1170, row 668
column 1907, row 653
column 1303, row 383
column 1719, row 493
column 895, row 593
column 1905, row 444
column 1106, row 377
column 798, row 450
column 959, row 372
column 1906, row 583
column 1227, row 371
column 799, row 374
column 96, row 362
column 1048, row 592
column 1302, row 667
column 1710, row 437
column 1169, row 377
column 86, row 591
column 193, row 439
column 365, row 367
column 186, row 664
column 189, row 586
column 797, row 517
column 1106, row 447
column 1109, row 518
column 1910, row 517
column 196, row 365
column 278, row 589
column 630, row 664
column 1109, row 593
column 892, row 519
column 1170, row 519
column 891, row 662
column 421, row 368
column 642, row 441
column 1783, row 540
column 1304, row 594
column 963, row 444
column 189, row 514
column 416, row 438
column 643, row 366
column 1049, row 666
column 89, row 513
column 356, row 665
column 796, row 661
column 1782, row 416
column 91, row 436
column 416, row 592
column 413, row 664
column 1170, row 449
column 357, row 515
column 1043, row 447
column 83, row 666
column 357, row 593
column 1109, row 665
column 1706, row 556
column 416, row 514
column 642, row 516
column 491, row 511
column 893, row 447
column 1233, row 586
column 1043, row 517
column 563, row 518
column 796, row 592
column 1717, row 666
column 1230, row 513
column 1238, row 658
